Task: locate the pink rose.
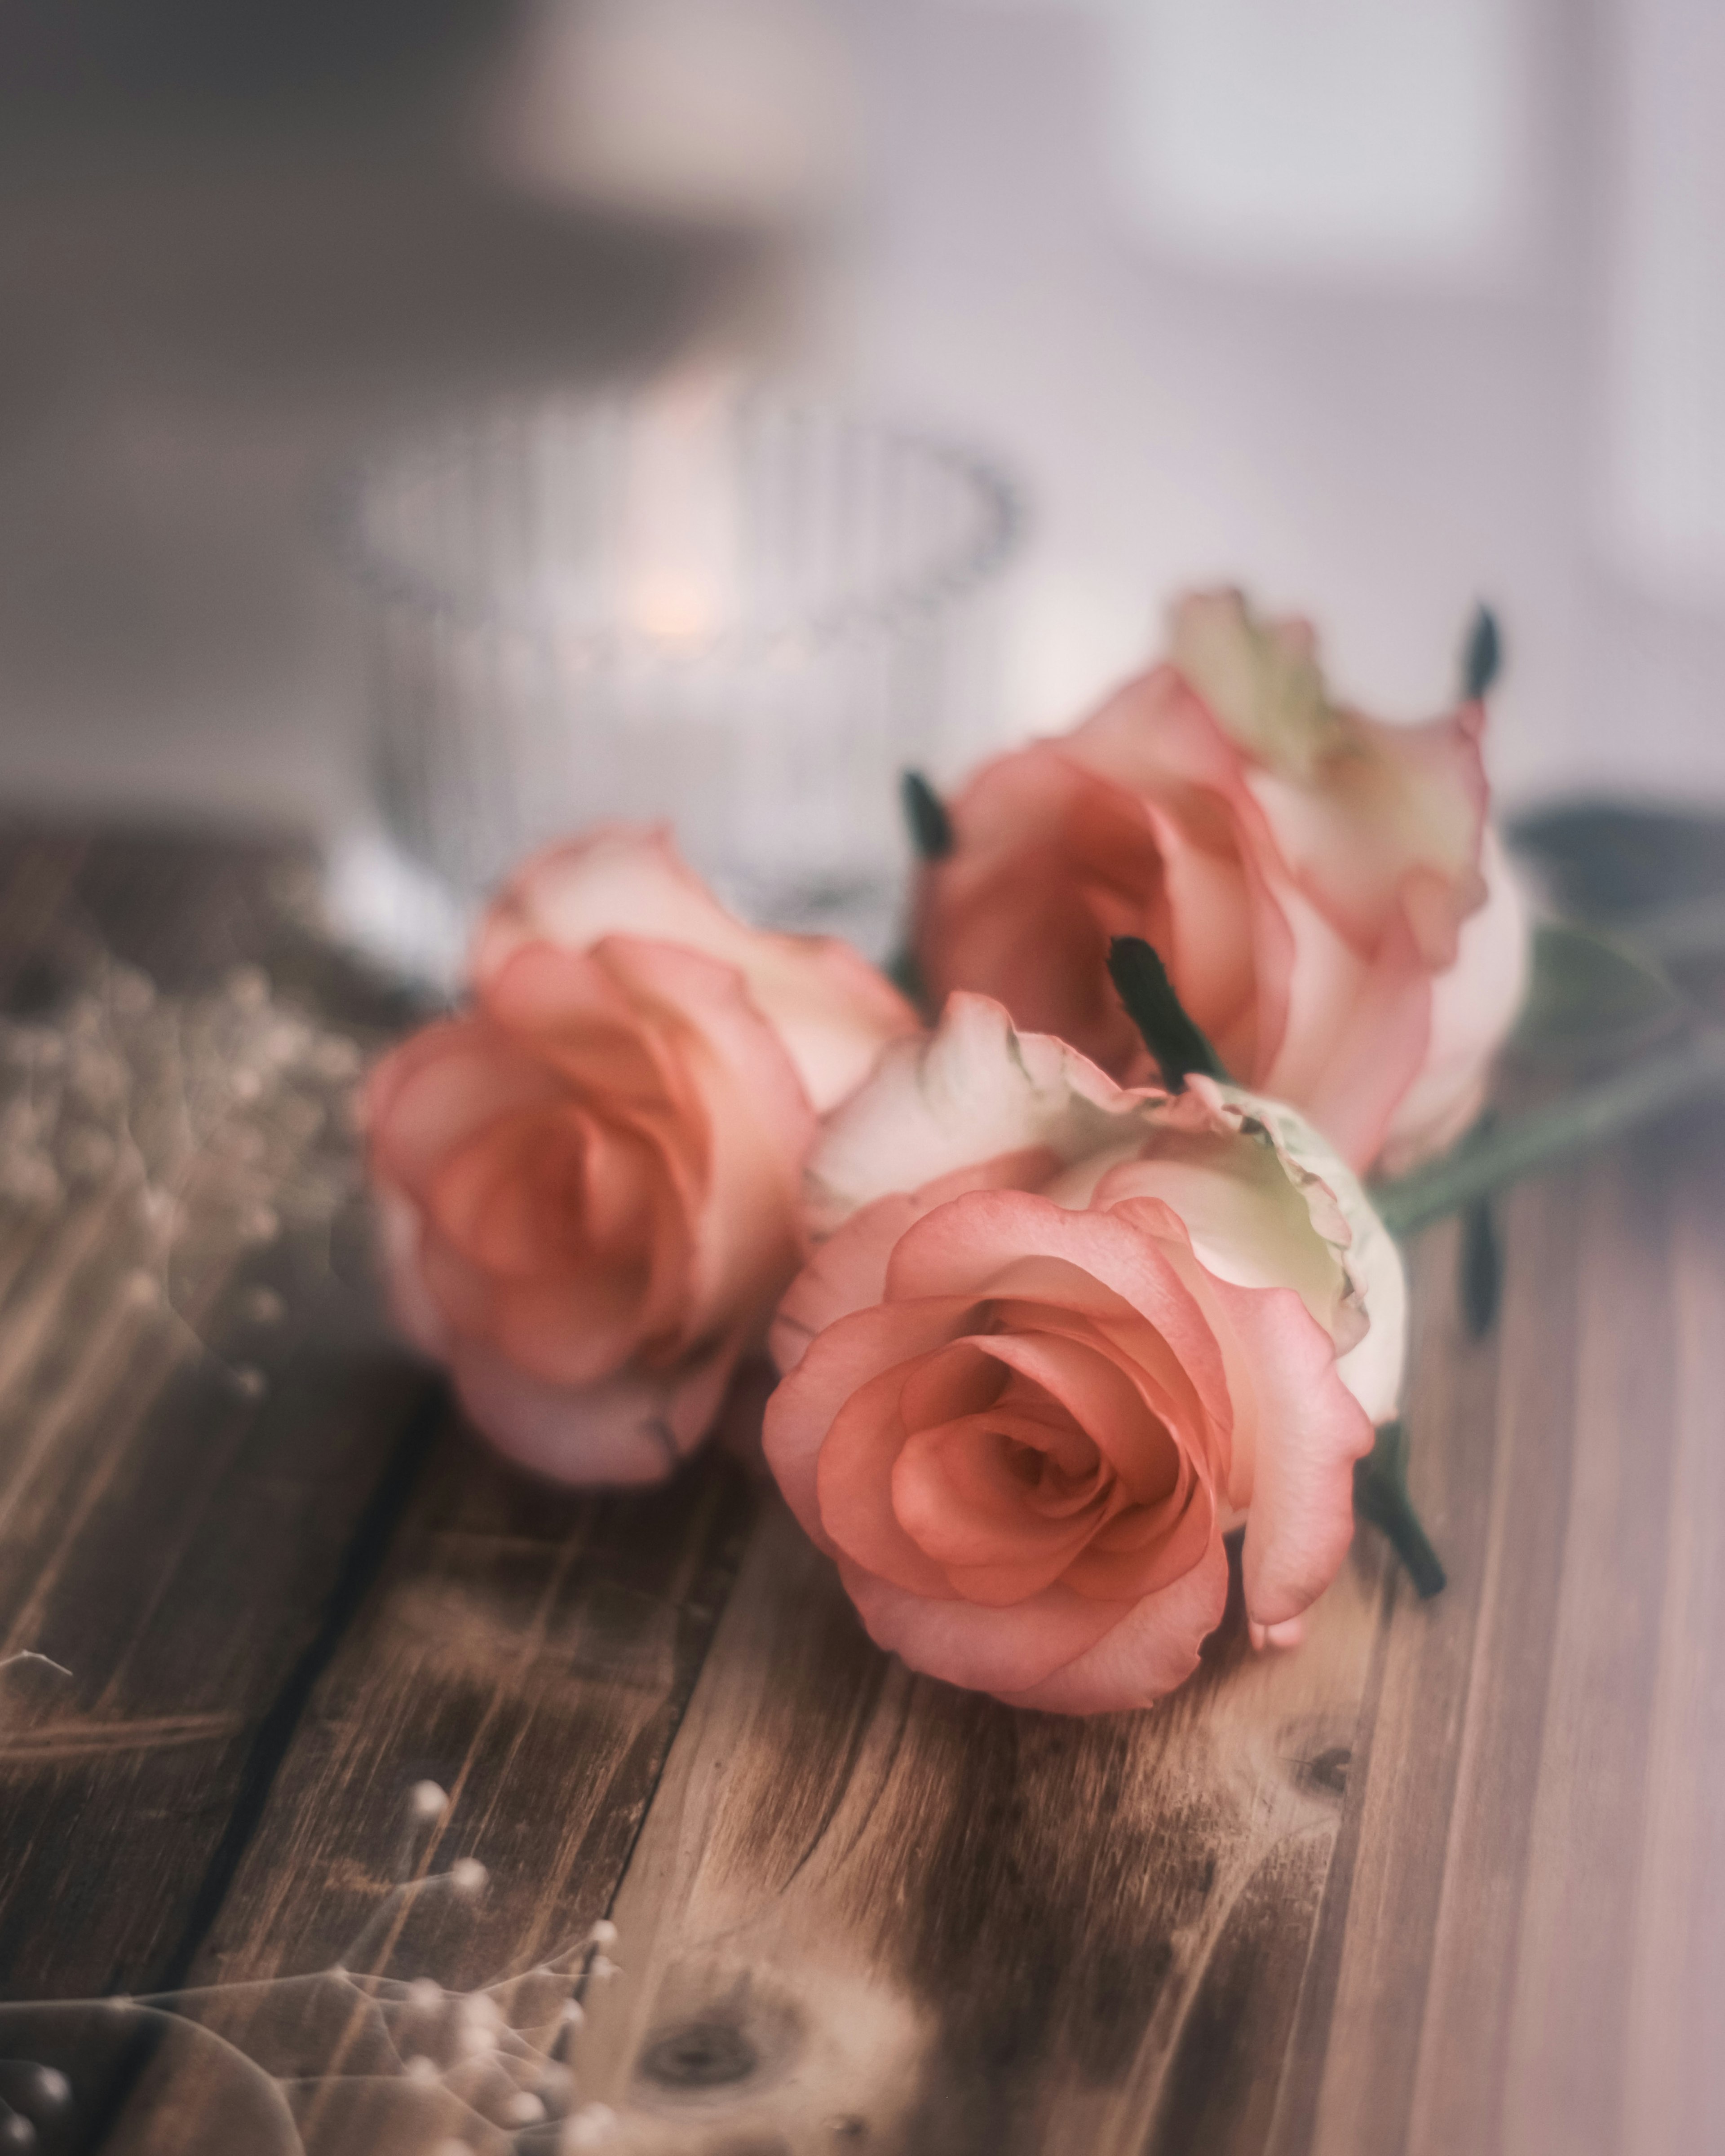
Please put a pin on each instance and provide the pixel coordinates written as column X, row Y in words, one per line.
column 1062, row 1338
column 1330, row 902
column 589, row 1184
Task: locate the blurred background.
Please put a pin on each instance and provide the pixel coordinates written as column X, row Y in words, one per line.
column 1380, row 310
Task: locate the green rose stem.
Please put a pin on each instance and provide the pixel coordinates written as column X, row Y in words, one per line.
column 1142, row 983
column 931, row 830
column 925, row 813
column 1482, row 655
column 1524, row 1144
column 1380, row 1481
column 1380, row 1495
column 1481, row 1270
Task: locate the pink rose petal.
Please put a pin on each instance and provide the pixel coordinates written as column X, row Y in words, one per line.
column 1311, row 1430
column 633, row 1428
column 840, row 1360
column 1153, row 1649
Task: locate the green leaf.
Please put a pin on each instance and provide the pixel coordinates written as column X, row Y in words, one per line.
column 1481, row 655
column 1380, row 1495
column 1591, row 994
column 1144, row 987
column 926, row 813
column 1582, row 1117
column 906, row 975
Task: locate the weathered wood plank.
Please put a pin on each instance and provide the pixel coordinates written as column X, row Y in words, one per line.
column 1579, row 1723
column 1568, row 2045
column 1674, row 2091
column 868, row 1905
column 527, row 1650
column 1453, row 1875
column 860, row 1897
column 207, row 1448
column 456, row 1808
column 1540, row 1886
column 1495, row 1426
column 1404, row 1753
column 197, row 1400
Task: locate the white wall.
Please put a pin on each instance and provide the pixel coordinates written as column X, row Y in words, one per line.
column 1378, row 321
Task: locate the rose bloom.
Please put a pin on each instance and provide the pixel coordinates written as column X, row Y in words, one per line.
column 1329, row 899
column 589, row 1184
column 1063, row 1338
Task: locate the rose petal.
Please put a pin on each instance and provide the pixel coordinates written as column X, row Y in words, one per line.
column 633, row 1428
column 849, row 1271
column 975, row 1089
column 855, row 1486
column 1153, row 1649
column 512, row 1198
column 1049, row 1297
column 1245, row 1217
column 831, row 1009
column 1393, row 801
column 748, row 1243
column 440, row 1088
column 971, row 1643
column 838, row 1361
column 1260, row 679
column 1311, row 1430
column 1358, row 1032
column 575, row 1015
column 1341, row 1211
column 955, row 1495
column 1155, row 737
column 1051, row 860
column 410, row 1304
column 1226, row 945
column 570, row 1329
column 976, row 1245
column 1180, row 1531
column 1473, row 1006
column 463, row 1294
column 1103, row 1402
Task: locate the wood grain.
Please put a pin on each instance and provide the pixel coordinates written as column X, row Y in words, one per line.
column 1451, row 1876
column 198, row 1505
column 525, row 1650
column 958, row 1926
column 196, row 1408
column 886, row 1903
column 525, row 1657
column 1502, row 1988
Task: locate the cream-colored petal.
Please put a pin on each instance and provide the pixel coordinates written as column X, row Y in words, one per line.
column 974, row 1088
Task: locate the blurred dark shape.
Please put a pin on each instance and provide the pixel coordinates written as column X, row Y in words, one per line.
column 926, row 813
column 1603, row 860
column 1483, row 654
column 1142, row 981
column 1481, row 1272
column 242, row 195
column 240, row 241
column 58, row 55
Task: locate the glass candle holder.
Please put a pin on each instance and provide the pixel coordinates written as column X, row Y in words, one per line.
column 744, row 617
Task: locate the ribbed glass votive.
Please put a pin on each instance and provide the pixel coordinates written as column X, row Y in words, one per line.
column 743, row 616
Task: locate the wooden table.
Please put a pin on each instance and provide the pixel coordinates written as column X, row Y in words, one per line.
column 356, row 1734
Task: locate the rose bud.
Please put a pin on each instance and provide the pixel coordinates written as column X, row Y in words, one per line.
column 588, row 1182
column 1062, row 1338
column 1333, row 907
